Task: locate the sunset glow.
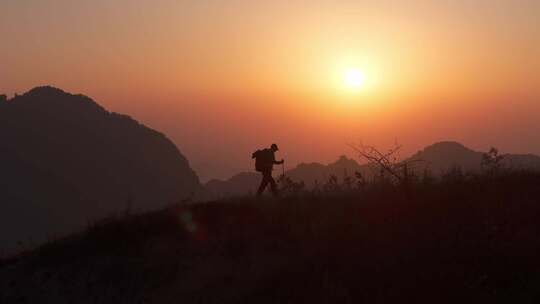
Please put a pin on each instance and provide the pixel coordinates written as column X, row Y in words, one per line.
column 311, row 75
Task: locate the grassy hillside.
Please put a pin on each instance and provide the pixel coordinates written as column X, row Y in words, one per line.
column 463, row 239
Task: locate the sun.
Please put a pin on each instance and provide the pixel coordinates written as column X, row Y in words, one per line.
column 354, row 79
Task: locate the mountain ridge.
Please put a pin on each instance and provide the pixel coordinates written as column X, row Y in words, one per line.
column 66, row 161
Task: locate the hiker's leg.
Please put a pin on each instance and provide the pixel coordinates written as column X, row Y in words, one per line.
column 264, row 182
column 273, row 186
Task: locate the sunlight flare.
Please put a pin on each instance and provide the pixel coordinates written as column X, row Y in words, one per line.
column 354, row 79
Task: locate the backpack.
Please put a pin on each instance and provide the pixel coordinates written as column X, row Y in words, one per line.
column 263, row 159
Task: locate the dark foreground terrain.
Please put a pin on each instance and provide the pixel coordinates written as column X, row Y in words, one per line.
column 463, row 240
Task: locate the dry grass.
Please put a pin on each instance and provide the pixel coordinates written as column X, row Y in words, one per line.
column 462, row 239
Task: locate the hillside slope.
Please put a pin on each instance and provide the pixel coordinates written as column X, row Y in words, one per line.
column 475, row 240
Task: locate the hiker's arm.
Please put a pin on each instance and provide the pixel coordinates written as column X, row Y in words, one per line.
column 279, row 162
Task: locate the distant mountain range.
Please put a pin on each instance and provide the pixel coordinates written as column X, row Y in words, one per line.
column 437, row 158
column 65, row 161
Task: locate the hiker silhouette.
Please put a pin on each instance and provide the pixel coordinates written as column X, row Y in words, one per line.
column 265, row 160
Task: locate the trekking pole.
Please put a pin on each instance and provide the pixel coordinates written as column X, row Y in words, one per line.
column 283, row 168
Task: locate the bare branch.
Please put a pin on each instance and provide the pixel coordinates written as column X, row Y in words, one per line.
column 372, row 155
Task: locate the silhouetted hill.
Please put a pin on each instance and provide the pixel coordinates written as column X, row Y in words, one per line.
column 437, row 158
column 65, row 160
column 442, row 156
column 315, row 172
column 522, row 161
column 240, row 184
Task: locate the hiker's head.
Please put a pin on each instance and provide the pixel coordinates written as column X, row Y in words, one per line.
column 274, row 147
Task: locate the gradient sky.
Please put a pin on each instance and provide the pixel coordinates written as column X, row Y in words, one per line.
column 222, row 78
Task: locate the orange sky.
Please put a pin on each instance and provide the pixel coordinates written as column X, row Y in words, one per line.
column 222, row 78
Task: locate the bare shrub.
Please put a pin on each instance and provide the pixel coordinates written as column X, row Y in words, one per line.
column 492, row 162
column 390, row 168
